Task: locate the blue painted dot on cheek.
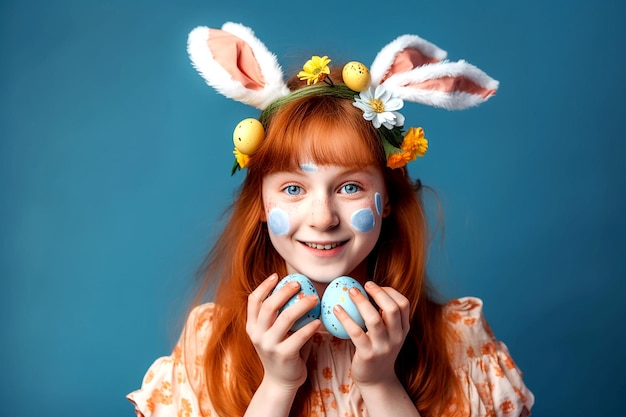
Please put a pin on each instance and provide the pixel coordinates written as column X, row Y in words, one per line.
column 378, row 200
column 278, row 222
column 363, row 220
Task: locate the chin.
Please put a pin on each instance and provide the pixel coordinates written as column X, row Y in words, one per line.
column 325, row 275
column 322, row 278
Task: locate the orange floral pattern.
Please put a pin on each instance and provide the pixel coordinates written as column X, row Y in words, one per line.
column 173, row 386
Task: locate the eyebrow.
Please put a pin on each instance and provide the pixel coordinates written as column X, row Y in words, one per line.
column 350, row 171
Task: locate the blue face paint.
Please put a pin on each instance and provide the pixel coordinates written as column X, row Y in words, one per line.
column 363, row 220
column 378, row 199
column 309, row 167
column 278, row 221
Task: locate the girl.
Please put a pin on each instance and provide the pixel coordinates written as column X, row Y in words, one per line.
column 326, row 194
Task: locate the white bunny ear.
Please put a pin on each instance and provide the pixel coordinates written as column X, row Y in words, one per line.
column 403, row 54
column 237, row 64
column 411, row 68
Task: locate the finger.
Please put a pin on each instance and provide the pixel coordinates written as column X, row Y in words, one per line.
column 404, row 305
column 355, row 332
column 269, row 308
column 298, row 339
column 287, row 318
column 390, row 313
column 373, row 322
column 256, row 297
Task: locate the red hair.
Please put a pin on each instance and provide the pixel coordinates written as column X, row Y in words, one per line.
column 306, row 130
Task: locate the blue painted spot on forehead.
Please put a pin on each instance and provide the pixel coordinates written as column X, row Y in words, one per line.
column 309, row 167
column 363, row 220
column 278, row 222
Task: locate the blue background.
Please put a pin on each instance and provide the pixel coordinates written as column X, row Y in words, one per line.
column 115, row 161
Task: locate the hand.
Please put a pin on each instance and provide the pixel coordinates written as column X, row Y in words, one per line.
column 278, row 349
column 378, row 348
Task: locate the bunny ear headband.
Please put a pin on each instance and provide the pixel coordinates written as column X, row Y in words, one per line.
column 239, row 66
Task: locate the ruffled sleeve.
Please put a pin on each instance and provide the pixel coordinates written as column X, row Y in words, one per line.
column 491, row 380
column 173, row 384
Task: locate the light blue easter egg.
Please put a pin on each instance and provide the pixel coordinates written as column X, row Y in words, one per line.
column 337, row 293
column 306, row 288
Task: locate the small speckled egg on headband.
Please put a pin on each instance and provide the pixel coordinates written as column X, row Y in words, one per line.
column 248, row 136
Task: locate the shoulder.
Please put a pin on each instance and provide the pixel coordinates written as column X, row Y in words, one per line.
column 470, row 333
column 483, row 364
column 199, row 325
column 173, row 384
column 467, row 323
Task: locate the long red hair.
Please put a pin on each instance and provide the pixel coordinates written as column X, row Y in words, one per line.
column 306, row 130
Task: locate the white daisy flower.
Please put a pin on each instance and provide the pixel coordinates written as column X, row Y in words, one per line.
column 380, row 107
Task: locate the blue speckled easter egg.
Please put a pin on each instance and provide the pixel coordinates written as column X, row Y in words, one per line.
column 337, row 293
column 306, row 288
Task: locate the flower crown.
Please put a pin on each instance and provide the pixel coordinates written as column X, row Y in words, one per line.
column 239, row 66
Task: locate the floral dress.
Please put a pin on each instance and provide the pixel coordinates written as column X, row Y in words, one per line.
column 173, row 386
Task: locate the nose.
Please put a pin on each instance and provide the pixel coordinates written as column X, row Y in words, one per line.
column 323, row 214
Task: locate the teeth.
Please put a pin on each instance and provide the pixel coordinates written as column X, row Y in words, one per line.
column 322, row 247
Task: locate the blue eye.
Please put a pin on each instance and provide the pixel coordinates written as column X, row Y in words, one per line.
column 350, row 188
column 293, row 189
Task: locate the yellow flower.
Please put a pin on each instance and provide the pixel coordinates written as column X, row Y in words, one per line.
column 414, row 142
column 242, row 159
column 315, row 69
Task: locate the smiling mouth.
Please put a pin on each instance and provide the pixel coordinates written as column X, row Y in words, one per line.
column 324, row 246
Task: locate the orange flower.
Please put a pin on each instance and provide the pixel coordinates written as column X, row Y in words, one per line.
column 398, row 160
column 414, row 142
column 413, row 145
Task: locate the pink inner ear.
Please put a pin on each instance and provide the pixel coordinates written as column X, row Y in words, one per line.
column 452, row 84
column 406, row 60
column 236, row 57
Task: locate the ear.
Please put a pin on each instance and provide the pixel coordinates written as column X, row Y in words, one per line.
column 386, row 209
column 237, row 64
column 411, row 68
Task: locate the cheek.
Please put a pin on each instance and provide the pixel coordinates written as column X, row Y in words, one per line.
column 278, row 221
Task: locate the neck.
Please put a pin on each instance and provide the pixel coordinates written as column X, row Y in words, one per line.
column 359, row 273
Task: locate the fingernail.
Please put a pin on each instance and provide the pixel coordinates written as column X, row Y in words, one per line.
column 273, row 277
column 294, row 284
column 370, row 284
column 355, row 291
